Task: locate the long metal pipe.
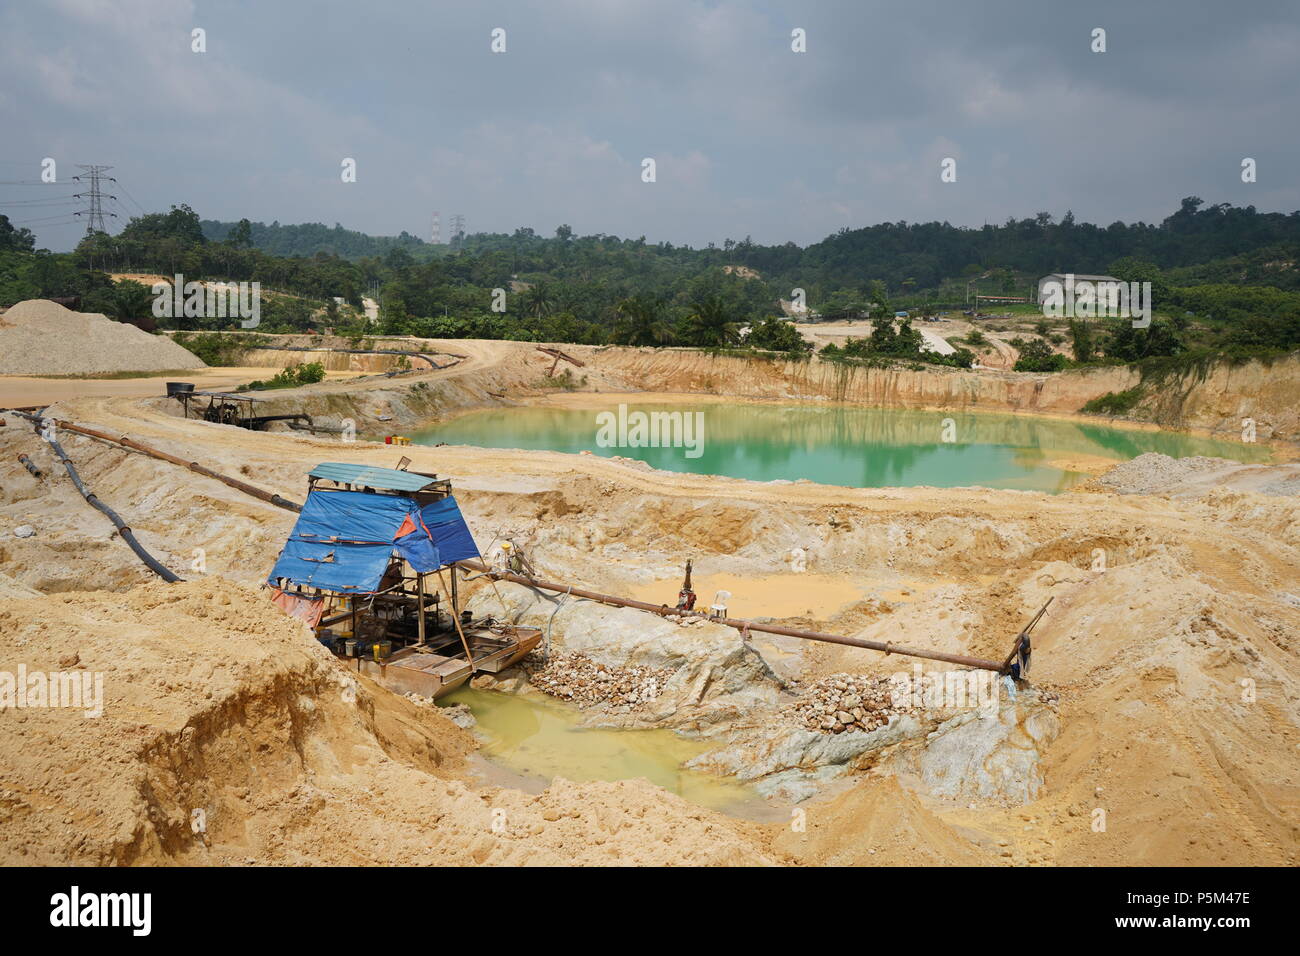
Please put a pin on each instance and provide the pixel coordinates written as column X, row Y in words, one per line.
column 661, row 609
column 193, row 466
column 741, row 624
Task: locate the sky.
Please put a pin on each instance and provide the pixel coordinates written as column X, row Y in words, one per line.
column 748, row 136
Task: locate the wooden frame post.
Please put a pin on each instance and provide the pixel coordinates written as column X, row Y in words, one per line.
column 455, row 617
column 455, row 593
column 419, row 598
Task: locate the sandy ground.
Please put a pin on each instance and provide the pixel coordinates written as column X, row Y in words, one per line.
column 940, row 335
column 1171, row 642
column 19, row 391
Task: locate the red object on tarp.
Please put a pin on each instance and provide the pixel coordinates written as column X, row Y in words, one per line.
column 307, row 610
column 388, row 439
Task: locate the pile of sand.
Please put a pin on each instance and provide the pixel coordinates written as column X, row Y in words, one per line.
column 39, row 337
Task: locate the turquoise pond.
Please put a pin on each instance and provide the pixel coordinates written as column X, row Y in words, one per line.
column 856, row 447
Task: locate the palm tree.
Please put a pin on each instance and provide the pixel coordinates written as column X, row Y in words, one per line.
column 709, row 323
column 131, row 300
column 537, row 300
column 641, row 322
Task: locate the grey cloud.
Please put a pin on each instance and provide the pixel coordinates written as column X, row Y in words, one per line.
column 750, row 137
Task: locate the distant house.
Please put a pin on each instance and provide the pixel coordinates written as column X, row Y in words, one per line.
column 1060, row 277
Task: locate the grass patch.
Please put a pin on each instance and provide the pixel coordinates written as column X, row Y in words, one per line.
column 564, row 380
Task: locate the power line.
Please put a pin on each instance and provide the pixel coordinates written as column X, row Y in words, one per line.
column 122, row 186
column 69, row 201
column 45, row 220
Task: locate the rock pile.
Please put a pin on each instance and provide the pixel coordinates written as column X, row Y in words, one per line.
column 1152, row 472
column 843, row 702
column 458, row 714
column 580, row 680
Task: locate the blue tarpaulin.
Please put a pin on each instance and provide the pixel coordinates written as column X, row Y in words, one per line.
column 344, row 540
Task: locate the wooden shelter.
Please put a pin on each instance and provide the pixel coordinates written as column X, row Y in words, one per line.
column 372, row 565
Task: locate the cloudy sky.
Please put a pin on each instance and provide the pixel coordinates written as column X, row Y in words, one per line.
column 748, row 136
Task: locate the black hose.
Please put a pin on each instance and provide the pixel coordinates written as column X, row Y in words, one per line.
column 126, row 533
column 27, row 463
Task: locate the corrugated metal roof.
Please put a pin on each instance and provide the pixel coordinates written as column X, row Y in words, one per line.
column 390, row 479
column 1078, row 277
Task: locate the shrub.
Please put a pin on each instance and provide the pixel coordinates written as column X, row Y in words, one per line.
column 291, row 377
column 1115, row 403
column 1037, row 356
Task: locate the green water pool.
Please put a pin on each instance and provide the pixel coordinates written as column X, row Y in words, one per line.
column 856, row 447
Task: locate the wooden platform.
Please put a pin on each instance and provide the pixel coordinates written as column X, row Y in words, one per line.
column 436, row 668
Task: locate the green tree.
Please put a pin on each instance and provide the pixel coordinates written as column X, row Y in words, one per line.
column 709, row 323
column 1083, row 345
column 241, row 237
column 641, row 321
column 777, row 335
column 537, row 300
column 1037, row 356
column 19, row 240
column 131, row 300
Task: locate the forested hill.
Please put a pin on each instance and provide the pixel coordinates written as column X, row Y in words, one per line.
column 309, row 238
column 1217, row 240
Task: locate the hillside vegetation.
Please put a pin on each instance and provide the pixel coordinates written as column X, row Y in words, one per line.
column 1223, row 281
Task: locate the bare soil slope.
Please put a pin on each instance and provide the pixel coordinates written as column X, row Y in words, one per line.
column 229, row 736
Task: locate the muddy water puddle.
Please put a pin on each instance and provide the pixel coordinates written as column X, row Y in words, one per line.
column 528, row 740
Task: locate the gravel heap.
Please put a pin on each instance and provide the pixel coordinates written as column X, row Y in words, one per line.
column 40, row 337
column 843, row 702
column 579, row 679
column 1153, row 472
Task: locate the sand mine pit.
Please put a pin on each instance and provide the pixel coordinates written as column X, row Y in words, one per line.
column 228, row 733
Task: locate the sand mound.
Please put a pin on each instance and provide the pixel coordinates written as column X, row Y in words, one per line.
column 228, row 736
column 876, row 824
column 39, row 337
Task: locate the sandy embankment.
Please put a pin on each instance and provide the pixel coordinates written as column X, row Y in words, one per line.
column 1212, row 401
column 1149, row 657
column 17, row 390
